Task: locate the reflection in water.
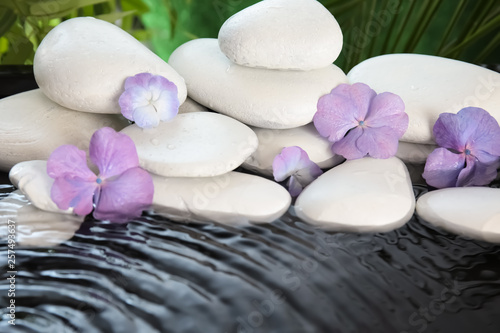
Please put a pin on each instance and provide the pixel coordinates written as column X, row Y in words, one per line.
column 155, row 275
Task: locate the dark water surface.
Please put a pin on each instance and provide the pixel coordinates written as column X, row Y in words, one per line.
column 155, row 275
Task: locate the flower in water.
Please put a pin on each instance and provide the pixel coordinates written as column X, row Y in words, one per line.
column 294, row 162
column 361, row 123
column 149, row 98
column 121, row 191
column 469, row 153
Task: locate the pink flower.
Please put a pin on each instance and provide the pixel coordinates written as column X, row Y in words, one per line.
column 470, row 149
column 121, row 191
column 294, row 162
column 149, row 98
column 361, row 123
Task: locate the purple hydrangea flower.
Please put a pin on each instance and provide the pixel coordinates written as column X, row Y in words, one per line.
column 121, row 191
column 469, row 153
column 294, row 162
column 149, row 98
column 361, row 123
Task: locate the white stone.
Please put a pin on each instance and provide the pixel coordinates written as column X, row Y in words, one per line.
column 414, row 153
column 258, row 97
column 282, row 34
column 191, row 106
column 35, row 227
column 83, row 62
column 364, row 195
column 32, row 126
column 196, row 144
column 32, row 179
column 234, row 197
column 468, row 211
column 429, row 86
column 271, row 142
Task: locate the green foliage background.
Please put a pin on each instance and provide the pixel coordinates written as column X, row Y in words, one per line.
column 468, row 30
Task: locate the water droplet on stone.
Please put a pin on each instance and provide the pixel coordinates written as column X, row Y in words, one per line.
column 155, row 142
column 171, row 147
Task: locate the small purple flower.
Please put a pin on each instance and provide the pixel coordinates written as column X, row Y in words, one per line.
column 149, row 98
column 121, row 191
column 361, row 123
column 469, row 153
column 294, row 162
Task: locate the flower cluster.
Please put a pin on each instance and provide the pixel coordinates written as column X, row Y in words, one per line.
column 121, row 191
column 469, row 153
column 149, row 99
column 361, row 123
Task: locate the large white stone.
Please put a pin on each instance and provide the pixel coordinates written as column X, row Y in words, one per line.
column 32, row 126
column 429, row 86
column 258, row 97
column 414, row 153
column 271, row 142
column 35, row 227
column 229, row 198
column 469, row 211
column 83, row 62
column 282, row 34
column 32, row 179
column 364, row 195
column 196, row 144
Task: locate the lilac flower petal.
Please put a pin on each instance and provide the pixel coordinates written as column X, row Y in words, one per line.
column 133, row 98
column 141, row 80
column 483, row 133
column 443, row 167
column 289, row 161
column 342, row 109
column 347, row 146
column 381, row 142
column 112, row 152
column 69, row 161
column 450, row 131
column 167, row 105
column 69, row 192
column 146, row 116
column 387, row 110
column 294, row 186
column 476, row 173
column 125, row 197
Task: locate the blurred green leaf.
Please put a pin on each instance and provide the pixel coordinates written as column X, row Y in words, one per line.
column 58, row 8
column 113, row 17
column 7, row 19
column 20, row 48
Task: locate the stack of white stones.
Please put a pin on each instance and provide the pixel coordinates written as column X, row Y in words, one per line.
column 268, row 68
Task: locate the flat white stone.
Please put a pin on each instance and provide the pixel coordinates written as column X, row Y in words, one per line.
column 258, row 97
column 282, row 34
column 32, row 179
column 35, row 227
column 234, row 197
column 271, row 142
column 191, row 106
column 83, row 62
column 429, row 86
column 468, row 211
column 196, row 144
column 32, row 126
column 364, row 195
column 414, row 153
